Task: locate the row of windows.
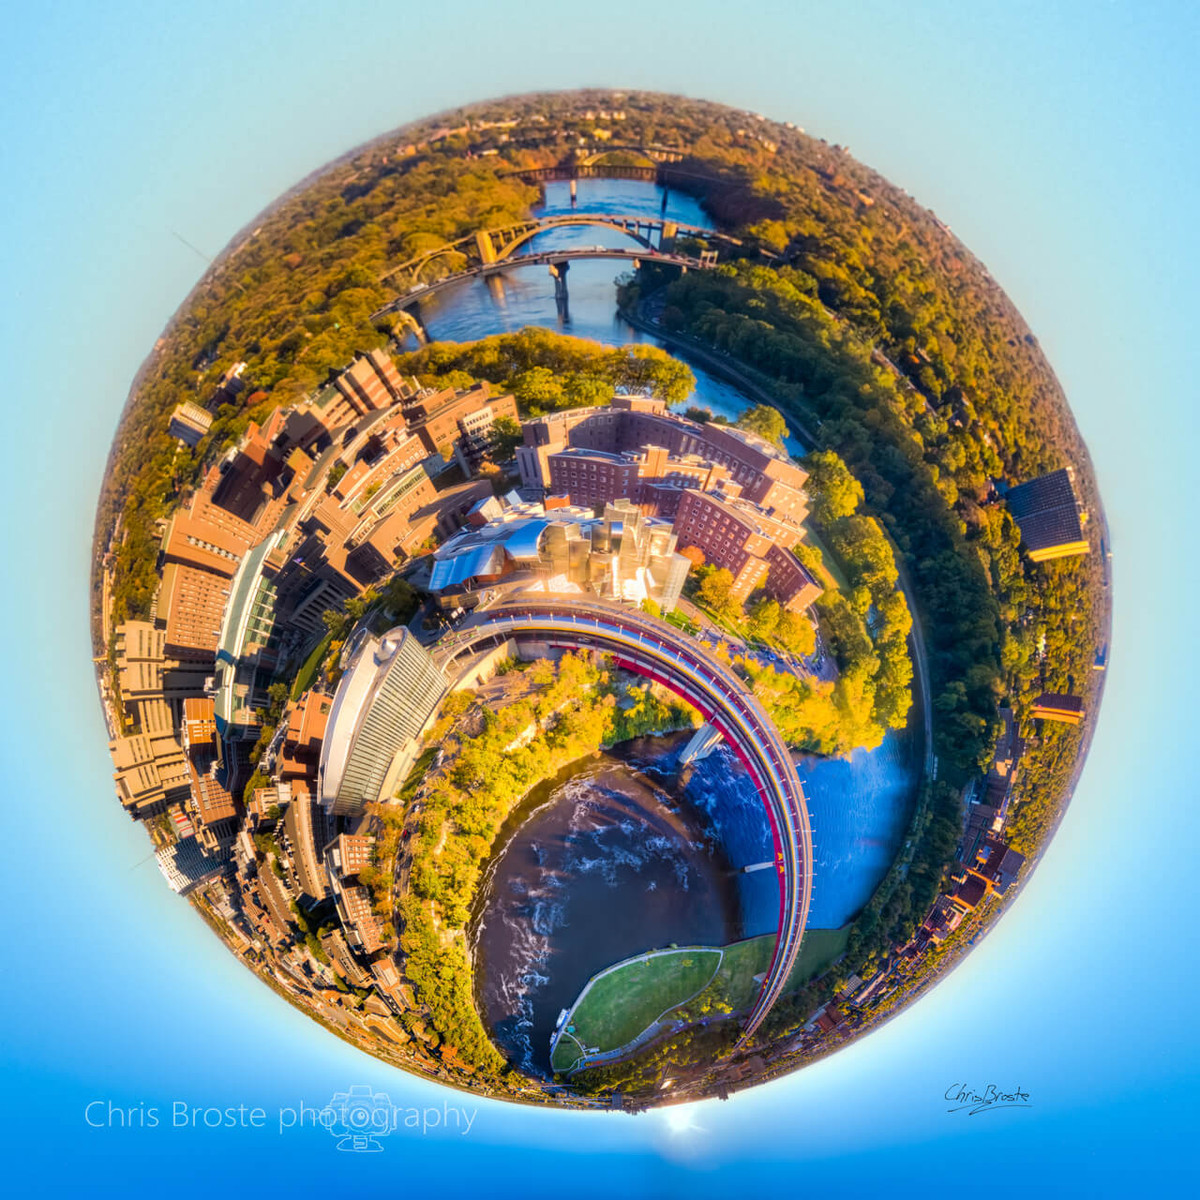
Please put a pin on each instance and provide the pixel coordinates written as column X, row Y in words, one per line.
column 201, row 544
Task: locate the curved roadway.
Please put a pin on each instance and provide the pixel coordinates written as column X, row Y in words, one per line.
column 655, row 649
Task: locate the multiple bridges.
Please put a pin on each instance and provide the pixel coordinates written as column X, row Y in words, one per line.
column 489, row 252
column 556, row 260
column 656, row 650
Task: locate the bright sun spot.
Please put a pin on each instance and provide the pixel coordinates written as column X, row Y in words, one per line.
column 679, row 1120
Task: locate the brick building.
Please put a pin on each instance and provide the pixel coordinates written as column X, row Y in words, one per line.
column 458, row 422
column 762, row 473
column 369, row 383
column 190, row 606
column 742, row 538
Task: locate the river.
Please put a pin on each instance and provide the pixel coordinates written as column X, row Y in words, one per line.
column 622, row 853
column 525, row 295
column 619, row 854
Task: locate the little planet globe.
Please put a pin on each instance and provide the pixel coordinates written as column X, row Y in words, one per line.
column 600, row 598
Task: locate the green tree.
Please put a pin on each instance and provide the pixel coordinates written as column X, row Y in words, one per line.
column 763, row 619
column 716, row 592
column 641, row 368
column 766, row 421
column 833, row 491
column 506, row 437
column 586, row 390
column 538, row 390
column 795, row 633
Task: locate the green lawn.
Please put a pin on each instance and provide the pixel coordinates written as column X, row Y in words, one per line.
column 833, row 573
column 623, row 1003
column 819, row 950
column 744, row 960
column 676, row 618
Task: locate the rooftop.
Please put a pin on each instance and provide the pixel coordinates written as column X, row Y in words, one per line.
column 1046, row 511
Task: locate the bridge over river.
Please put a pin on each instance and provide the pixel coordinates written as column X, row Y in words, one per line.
column 492, row 251
column 658, row 651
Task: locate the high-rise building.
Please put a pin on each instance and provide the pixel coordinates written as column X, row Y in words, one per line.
column 205, row 536
column 145, row 672
column 190, row 605
column 246, row 644
column 186, row 865
column 388, row 694
column 147, row 774
column 371, row 382
column 189, row 423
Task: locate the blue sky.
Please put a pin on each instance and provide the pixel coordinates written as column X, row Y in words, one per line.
column 1057, row 140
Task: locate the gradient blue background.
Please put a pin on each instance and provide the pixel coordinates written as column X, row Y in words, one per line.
column 1058, row 140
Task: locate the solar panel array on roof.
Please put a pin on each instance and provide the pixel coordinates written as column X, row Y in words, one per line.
column 1046, row 511
column 1055, row 702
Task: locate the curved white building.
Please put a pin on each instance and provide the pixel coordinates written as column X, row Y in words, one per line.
column 389, row 693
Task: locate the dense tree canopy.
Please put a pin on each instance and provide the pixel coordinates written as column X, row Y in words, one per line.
column 766, row 421
column 546, row 371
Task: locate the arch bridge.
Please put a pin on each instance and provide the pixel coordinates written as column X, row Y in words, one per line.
column 598, row 151
column 487, row 246
column 656, row 650
column 408, row 306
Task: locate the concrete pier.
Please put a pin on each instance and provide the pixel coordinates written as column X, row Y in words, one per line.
column 704, row 742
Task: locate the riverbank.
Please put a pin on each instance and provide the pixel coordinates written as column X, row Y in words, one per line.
column 627, row 1006
column 492, row 758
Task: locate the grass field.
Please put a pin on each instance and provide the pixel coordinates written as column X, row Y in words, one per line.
column 744, row 960
column 831, row 574
column 625, row 1001
column 622, row 1003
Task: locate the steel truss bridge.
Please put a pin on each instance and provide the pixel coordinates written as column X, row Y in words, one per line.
column 656, row 650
